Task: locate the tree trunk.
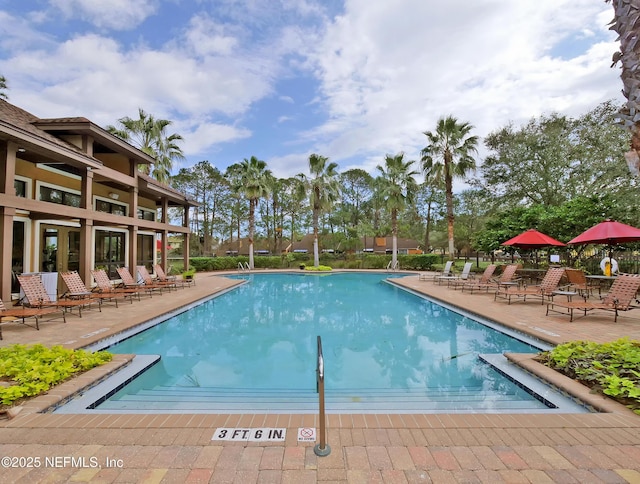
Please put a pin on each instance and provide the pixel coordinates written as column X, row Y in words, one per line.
column 450, row 216
column 427, row 230
column 252, row 213
column 394, row 248
column 316, row 257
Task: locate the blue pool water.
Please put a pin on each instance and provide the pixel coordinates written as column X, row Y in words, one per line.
column 254, row 348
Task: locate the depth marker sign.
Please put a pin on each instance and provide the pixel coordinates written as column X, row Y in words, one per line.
column 253, row 435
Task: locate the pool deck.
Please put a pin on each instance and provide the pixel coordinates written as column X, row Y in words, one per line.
column 442, row 448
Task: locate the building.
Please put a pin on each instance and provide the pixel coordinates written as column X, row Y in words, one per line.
column 384, row 245
column 72, row 198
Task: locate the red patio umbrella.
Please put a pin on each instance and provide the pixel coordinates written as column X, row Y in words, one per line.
column 533, row 239
column 608, row 233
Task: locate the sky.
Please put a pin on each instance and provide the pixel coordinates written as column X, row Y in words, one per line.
column 352, row 80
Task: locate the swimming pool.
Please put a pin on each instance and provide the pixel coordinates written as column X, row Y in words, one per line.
column 385, row 349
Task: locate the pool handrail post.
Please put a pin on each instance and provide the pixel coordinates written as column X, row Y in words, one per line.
column 322, row 449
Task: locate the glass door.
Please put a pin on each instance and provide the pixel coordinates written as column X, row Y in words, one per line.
column 18, row 252
column 109, row 254
column 49, row 253
column 60, row 249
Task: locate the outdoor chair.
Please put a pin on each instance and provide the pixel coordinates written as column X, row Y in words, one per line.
column 543, row 290
column 621, row 295
column 76, row 289
column 578, row 281
column 162, row 277
column 151, row 282
column 35, row 296
column 508, row 277
column 446, row 272
column 481, row 283
column 461, row 278
column 128, row 282
column 104, row 286
column 19, row 315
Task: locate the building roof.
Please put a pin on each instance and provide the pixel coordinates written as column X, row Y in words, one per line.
column 382, row 244
column 21, row 127
column 40, row 137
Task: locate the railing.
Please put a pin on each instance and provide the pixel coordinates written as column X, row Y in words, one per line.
column 244, row 267
column 391, row 266
column 321, row 449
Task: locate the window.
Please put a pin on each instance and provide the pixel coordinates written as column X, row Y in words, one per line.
column 110, row 207
column 57, row 195
column 21, row 188
column 146, row 214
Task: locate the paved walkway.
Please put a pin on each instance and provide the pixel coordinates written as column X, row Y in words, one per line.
column 599, row 447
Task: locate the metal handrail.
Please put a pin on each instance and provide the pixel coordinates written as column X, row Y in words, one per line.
column 322, row 449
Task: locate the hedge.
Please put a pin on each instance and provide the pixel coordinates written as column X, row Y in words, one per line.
column 420, row 262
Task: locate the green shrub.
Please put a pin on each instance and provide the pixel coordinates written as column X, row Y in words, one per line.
column 375, row 261
column 36, row 368
column 319, row 268
column 418, row 262
column 609, row 368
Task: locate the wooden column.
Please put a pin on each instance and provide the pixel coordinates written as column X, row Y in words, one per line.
column 7, row 180
column 164, row 259
column 6, row 246
column 133, row 231
column 86, row 228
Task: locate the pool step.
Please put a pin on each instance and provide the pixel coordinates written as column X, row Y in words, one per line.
column 195, row 399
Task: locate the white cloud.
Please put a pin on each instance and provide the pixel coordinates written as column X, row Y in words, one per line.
column 202, row 135
column 110, row 14
column 386, row 70
column 389, row 73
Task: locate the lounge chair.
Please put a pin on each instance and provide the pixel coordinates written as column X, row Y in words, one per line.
column 128, row 282
column 487, row 280
column 446, row 272
column 621, row 295
column 19, row 315
column 104, row 285
column 179, row 282
column 461, row 278
column 76, row 289
column 578, row 281
column 545, row 289
column 151, row 282
column 35, row 296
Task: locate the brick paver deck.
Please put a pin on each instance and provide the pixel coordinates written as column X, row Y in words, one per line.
column 590, row 448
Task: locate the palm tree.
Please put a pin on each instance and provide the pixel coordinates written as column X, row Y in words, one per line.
column 3, row 88
column 626, row 24
column 253, row 181
column 294, row 194
column 449, row 155
column 149, row 135
column 397, row 187
column 323, row 190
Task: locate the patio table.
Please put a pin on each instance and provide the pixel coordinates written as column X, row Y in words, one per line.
column 601, row 282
